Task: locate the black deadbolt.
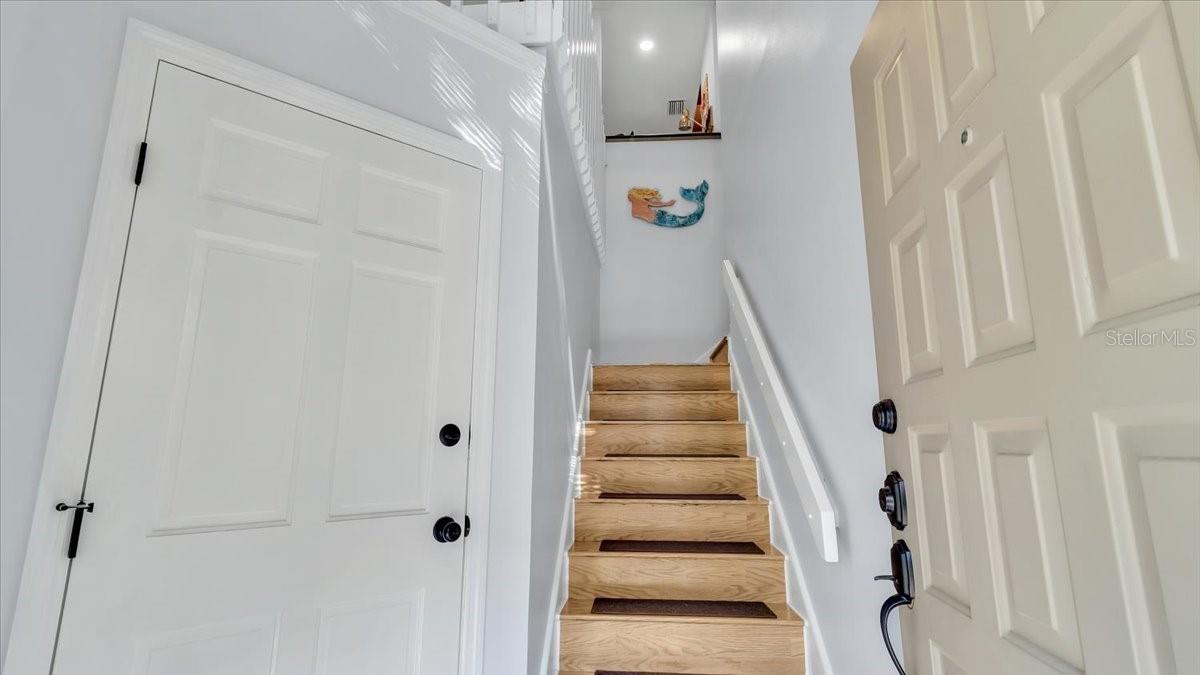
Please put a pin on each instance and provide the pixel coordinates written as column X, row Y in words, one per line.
column 450, row 435
column 893, row 500
column 445, row 530
column 883, row 415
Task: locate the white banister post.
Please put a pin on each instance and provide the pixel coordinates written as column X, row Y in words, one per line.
column 493, row 14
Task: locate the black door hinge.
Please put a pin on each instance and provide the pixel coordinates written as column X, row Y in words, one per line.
column 76, row 523
column 137, row 175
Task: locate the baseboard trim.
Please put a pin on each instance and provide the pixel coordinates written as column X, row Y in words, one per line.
column 706, row 357
column 550, row 639
column 566, row 533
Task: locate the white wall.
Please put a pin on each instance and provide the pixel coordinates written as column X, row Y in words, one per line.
column 60, row 62
column 789, row 162
column 568, row 280
column 660, row 290
column 638, row 84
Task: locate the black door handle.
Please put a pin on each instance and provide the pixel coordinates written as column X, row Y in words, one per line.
column 446, row 530
column 76, row 523
column 889, row 605
column 450, row 435
column 902, row 579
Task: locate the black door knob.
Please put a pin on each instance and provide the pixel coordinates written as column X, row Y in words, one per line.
column 450, row 435
column 446, row 531
column 883, row 416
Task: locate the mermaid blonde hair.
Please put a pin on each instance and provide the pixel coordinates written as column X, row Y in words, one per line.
column 644, row 193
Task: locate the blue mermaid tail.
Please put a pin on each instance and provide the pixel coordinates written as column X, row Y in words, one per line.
column 697, row 194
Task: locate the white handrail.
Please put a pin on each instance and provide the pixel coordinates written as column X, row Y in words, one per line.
column 818, row 506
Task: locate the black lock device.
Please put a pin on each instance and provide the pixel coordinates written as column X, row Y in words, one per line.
column 893, row 500
column 902, row 578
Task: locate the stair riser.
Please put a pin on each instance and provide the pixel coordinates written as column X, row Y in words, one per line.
column 707, row 577
column 720, row 406
column 674, row 476
column 665, row 439
column 681, row 647
column 661, row 378
column 717, row 521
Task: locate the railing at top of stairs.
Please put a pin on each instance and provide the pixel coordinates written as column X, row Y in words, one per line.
column 570, row 35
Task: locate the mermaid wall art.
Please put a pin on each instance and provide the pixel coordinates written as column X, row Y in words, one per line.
column 648, row 205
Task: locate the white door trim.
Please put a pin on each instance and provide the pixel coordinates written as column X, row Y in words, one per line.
column 43, row 577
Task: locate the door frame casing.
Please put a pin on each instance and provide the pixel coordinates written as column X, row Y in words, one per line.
column 41, row 595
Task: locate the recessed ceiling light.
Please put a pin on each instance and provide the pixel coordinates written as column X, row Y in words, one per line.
column 646, row 45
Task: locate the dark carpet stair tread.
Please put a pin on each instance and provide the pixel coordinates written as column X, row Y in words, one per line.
column 707, row 608
column 636, row 546
column 663, row 495
column 635, row 673
column 682, row 455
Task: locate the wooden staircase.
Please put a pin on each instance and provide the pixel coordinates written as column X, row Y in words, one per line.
column 672, row 570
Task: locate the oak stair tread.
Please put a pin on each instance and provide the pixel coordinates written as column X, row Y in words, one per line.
column 663, row 405
column 661, row 377
column 719, row 476
column 665, row 435
column 659, row 519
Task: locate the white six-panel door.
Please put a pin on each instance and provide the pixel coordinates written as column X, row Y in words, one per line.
column 1031, row 194
column 294, row 325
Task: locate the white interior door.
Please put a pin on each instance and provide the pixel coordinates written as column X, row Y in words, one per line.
column 1031, row 194
column 294, row 325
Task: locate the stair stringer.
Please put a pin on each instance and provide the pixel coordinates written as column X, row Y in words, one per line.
column 566, row 535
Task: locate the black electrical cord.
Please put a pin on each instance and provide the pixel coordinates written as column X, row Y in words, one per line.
column 898, row 600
